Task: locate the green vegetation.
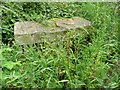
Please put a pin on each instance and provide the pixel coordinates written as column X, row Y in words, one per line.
column 90, row 62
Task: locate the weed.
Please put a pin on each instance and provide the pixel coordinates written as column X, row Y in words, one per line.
column 76, row 62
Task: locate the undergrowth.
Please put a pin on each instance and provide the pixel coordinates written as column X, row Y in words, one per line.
column 90, row 62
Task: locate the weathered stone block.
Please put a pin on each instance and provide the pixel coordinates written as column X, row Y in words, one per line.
column 29, row 32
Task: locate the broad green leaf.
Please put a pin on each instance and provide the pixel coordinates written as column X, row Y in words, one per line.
column 1, row 56
column 9, row 65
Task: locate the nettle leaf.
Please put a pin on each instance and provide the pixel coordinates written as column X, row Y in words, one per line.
column 7, row 49
column 9, row 65
column 1, row 56
column 18, row 63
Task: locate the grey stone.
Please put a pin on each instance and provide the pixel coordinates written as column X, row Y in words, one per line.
column 29, row 32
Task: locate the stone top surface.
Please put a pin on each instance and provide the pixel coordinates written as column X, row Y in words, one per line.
column 55, row 25
column 75, row 22
column 27, row 27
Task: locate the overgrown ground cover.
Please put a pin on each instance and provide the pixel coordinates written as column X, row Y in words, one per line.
column 93, row 63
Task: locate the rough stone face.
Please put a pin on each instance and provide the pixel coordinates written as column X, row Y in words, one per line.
column 29, row 32
column 73, row 23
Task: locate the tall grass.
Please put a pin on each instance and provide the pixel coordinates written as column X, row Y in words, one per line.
column 77, row 62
